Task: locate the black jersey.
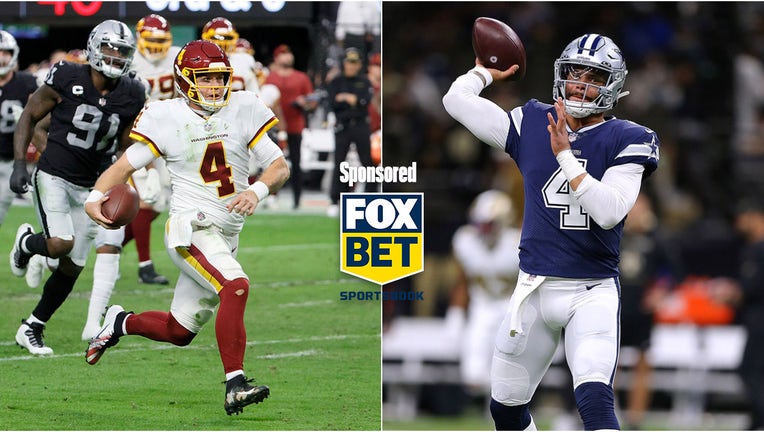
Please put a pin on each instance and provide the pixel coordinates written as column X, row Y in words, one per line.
column 85, row 124
column 358, row 85
column 13, row 98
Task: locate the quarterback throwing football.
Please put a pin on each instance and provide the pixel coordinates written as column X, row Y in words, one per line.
column 206, row 138
column 582, row 173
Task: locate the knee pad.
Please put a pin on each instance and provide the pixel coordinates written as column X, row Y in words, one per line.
column 594, row 401
column 510, row 382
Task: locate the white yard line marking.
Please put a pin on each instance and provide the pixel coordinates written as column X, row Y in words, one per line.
column 294, row 354
column 168, row 291
column 288, row 248
column 307, row 303
column 201, row 347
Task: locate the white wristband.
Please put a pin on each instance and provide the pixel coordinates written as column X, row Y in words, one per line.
column 260, row 189
column 282, row 136
column 95, row 195
column 571, row 167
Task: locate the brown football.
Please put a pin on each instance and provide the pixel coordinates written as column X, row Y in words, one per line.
column 497, row 46
column 122, row 205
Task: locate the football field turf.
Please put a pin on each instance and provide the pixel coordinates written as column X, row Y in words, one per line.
column 320, row 356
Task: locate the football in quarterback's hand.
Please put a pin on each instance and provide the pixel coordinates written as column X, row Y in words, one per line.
column 122, row 205
column 497, row 46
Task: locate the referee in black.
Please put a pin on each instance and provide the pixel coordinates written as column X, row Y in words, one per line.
column 350, row 95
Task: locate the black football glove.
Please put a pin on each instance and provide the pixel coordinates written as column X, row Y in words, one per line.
column 20, row 179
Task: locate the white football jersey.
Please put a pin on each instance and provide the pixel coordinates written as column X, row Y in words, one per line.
column 270, row 94
column 158, row 74
column 244, row 72
column 208, row 160
column 492, row 273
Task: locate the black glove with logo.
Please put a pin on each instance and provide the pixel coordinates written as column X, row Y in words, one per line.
column 20, row 179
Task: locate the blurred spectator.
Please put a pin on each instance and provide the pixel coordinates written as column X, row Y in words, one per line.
column 750, row 300
column 358, row 26
column 350, row 96
column 375, row 107
column 375, row 77
column 295, row 101
column 749, row 156
column 647, row 271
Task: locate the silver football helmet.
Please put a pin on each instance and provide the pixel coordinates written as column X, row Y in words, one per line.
column 111, row 46
column 596, row 54
column 8, row 43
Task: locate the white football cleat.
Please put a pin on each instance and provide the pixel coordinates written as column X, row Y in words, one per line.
column 18, row 258
column 105, row 338
column 36, row 270
column 29, row 336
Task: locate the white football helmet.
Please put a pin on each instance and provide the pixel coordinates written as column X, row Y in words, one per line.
column 8, row 43
column 491, row 211
column 111, row 47
column 591, row 53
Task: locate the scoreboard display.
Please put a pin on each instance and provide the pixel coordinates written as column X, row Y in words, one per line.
column 74, row 12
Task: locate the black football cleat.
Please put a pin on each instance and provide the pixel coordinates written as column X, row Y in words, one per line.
column 148, row 275
column 238, row 394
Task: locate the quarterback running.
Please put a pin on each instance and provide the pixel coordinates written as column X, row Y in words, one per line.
column 206, row 138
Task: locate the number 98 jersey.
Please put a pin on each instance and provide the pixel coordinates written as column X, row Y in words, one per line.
column 85, row 124
column 158, row 74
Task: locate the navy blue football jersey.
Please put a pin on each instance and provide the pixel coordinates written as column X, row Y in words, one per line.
column 13, row 98
column 559, row 237
column 85, row 124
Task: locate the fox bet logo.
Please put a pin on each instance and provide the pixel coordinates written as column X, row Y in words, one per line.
column 382, row 235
